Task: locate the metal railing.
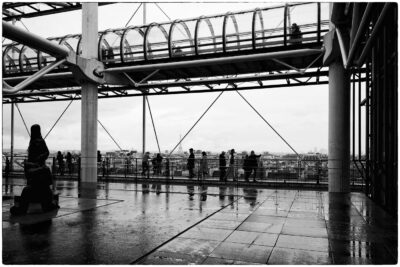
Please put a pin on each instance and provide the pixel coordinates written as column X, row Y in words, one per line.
column 269, row 170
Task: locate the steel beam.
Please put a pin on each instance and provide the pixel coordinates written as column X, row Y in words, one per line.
column 217, row 61
column 34, row 41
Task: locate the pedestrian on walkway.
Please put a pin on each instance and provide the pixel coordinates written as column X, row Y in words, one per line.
column 222, row 166
column 60, row 161
column 204, row 165
column 253, row 163
column 246, row 167
column 231, row 170
column 145, row 164
column 190, row 163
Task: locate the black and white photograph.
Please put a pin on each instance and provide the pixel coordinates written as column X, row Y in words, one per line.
column 200, row 133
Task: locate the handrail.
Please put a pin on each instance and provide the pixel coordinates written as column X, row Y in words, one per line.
column 7, row 89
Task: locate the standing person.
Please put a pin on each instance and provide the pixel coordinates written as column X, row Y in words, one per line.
column 69, row 162
column 98, row 156
column 38, row 176
column 159, row 159
column 204, row 165
column 295, row 35
column 7, row 168
column 231, row 169
column 190, row 163
column 154, row 165
column 253, row 163
column 246, row 167
column 222, row 166
column 145, row 163
column 60, row 161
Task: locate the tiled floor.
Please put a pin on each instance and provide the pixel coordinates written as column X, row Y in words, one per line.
column 161, row 224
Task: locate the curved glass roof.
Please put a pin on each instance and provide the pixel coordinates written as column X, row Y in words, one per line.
column 241, row 31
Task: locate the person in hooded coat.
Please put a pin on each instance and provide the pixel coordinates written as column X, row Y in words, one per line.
column 38, row 176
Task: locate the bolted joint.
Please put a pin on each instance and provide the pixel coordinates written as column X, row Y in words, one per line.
column 86, row 70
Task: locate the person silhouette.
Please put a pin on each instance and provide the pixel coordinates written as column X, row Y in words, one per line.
column 38, row 176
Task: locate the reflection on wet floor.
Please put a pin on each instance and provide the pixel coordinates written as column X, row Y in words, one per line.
column 150, row 223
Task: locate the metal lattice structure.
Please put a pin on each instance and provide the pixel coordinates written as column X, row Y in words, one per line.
column 234, row 51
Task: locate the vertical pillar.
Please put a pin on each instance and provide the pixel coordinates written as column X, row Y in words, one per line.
column 12, row 139
column 144, row 99
column 144, row 126
column 339, row 128
column 89, row 99
column 12, row 123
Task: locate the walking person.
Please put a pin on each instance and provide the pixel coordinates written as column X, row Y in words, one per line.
column 60, row 161
column 222, row 166
column 204, row 165
column 190, row 163
column 253, row 163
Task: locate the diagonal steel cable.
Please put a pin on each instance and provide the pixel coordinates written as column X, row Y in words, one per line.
column 283, row 139
column 152, row 121
column 22, row 117
column 134, row 13
column 59, row 118
column 204, row 113
column 109, row 134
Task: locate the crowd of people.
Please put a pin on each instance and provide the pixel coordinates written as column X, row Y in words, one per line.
column 228, row 165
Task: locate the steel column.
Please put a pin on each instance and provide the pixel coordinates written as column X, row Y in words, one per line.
column 89, row 99
column 12, row 138
column 339, row 128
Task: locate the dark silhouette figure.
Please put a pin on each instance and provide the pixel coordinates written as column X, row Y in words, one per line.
column 69, row 162
column 60, row 162
column 159, row 159
column 231, row 169
column 145, row 164
column 222, row 166
column 98, row 156
column 246, row 167
column 7, row 168
column 167, row 171
column 203, row 165
column 190, row 163
column 295, row 34
column 253, row 163
column 38, row 176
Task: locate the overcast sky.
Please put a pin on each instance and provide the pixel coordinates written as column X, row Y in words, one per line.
column 299, row 114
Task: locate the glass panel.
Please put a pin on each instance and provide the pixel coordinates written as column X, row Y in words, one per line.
column 80, row 44
column 157, row 42
column 29, row 59
column 182, row 39
column 302, row 23
column 71, row 42
column 239, row 31
column 324, row 18
column 11, row 59
column 273, row 21
column 132, row 46
column 46, row 59
column 110, row 47
column 209, row 35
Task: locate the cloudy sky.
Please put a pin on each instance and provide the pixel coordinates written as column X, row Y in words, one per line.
column 299, row 114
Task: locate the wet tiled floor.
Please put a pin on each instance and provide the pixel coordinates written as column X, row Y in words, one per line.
column 170, row 224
